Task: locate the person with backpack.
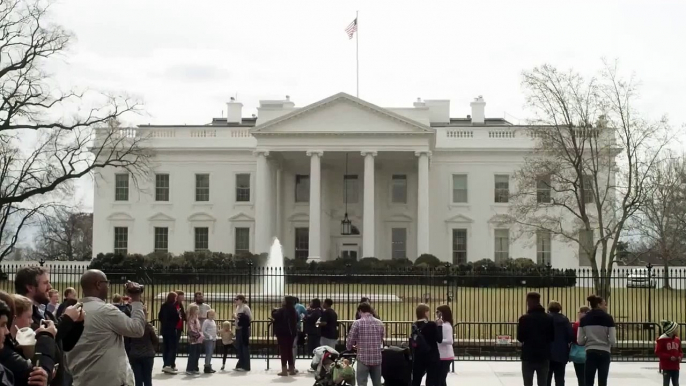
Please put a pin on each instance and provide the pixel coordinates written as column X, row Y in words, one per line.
column 424, row 340
column 536, row 332
column 597, row 333
column 577, row 354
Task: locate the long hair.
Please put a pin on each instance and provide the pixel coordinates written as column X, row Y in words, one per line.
column 193, row 311
column 171, row 297
column 594, row 301
column 446, row 314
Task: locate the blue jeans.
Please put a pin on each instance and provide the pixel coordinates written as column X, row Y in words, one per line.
column 142, row 370
column 242, row 348
column 194, row 351
column 209, row 350
column 364, row 372
column 170, row 346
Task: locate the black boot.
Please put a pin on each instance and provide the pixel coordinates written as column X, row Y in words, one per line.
column 208, row 369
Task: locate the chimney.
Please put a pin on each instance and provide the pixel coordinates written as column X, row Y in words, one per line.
column 234, row 111
column 419, row 103
column 478, row 110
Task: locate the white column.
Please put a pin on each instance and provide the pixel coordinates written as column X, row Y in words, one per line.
column 422, row 202
column 262, row 224
column 368, row 217
column 279, row 191
column 315, row 204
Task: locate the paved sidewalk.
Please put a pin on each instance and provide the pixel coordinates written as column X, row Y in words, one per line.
column 466, row 374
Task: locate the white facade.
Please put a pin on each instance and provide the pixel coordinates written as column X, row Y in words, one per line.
column 419, row 182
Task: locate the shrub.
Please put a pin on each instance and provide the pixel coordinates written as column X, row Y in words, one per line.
column 428, row 260
column 211, row 267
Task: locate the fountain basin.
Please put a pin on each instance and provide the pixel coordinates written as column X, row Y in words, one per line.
column 227, row 297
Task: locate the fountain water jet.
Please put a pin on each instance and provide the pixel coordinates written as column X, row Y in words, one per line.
column 273, row 284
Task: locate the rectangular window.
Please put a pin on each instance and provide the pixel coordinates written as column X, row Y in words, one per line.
column 399, row 189
column 502, row 245
column 588, row 190
column 460, row 188
column 121, row 241
column 459, row 246
column 502, row 188
column 543, row 247
column 302, row 188
column 352, row 189
column 399, row 243
column 302, row 243
column 243, row 187
column 202, row 187
column 161, row 239
column 202, row 239
column 585, row 247
column 161, row 187
column 543, row 190
column 121, row 187
column 242, row 241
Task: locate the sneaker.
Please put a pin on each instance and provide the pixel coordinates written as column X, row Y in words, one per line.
column 310, row 370
column 189, row 373
column 238, row 369
column 168, row 370
column 222, row 368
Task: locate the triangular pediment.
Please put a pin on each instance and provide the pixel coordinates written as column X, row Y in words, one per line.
column 241, row 217
column 201, row 216
column 500, row 219
column 120, row 216
column 342, row 114
column 161, row 217
column 460, row 218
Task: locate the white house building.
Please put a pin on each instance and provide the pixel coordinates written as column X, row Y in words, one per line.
column 411, row 180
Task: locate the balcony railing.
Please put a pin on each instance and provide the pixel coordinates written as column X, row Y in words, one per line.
column 184, row 137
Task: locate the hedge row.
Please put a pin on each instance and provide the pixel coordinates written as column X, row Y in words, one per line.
column 220, row 268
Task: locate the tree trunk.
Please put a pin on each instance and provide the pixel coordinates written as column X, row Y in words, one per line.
column 665, row 276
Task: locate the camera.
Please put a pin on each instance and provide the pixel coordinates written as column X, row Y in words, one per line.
column 133, row 287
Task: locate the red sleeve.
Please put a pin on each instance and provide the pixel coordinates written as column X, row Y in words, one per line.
column 575, row 328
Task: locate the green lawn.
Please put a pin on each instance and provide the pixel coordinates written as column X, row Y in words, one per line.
column 470, row 305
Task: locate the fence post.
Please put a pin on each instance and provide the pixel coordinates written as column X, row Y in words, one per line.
column 347, row 284
column 41, row 262
column 249, row 282
column 649, row 267
column 448, row 297
column 549, row 269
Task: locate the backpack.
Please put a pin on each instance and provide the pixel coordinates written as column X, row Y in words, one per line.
column 418, row 343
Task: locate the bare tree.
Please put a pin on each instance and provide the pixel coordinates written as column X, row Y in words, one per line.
column 65, row 234
column 44, row 144
column 585, row 177
column 661, row 222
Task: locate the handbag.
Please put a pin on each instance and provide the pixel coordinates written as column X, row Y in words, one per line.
column 577, row 354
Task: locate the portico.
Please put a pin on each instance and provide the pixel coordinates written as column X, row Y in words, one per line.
column 311, row 146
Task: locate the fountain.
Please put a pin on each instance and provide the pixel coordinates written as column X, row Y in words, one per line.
column 273, row 285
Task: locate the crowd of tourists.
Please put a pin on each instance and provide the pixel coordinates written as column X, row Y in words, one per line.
column 109, row 341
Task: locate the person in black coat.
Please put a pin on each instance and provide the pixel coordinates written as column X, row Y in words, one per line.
column 285, row 326
column 17, row 368
column 314, row 335
column 169, row 317
column 425, row 357
column 536, row 332
column 559, row 349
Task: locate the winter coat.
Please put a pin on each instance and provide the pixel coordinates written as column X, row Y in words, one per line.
column 667, row 347
column 564, row 336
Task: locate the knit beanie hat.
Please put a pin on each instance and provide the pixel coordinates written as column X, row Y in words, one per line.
column 668, row 327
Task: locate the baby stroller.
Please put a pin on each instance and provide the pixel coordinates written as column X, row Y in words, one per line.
column 396, row 366
column 333, row 368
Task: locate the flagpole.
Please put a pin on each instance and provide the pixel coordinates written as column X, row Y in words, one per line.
column 357, row 50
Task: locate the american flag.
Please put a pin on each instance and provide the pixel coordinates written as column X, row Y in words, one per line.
column 351, row 29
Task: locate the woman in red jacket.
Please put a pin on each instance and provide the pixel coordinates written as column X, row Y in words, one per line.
column 668, row 350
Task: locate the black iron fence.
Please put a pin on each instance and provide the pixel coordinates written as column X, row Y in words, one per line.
column 486, row 304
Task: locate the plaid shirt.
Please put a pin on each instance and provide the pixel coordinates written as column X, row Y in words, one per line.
column 367, row 335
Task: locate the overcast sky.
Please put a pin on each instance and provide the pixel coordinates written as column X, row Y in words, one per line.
column 186, row 59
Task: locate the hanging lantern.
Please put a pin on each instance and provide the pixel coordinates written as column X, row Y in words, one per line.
column 346, row 226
